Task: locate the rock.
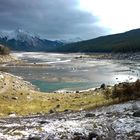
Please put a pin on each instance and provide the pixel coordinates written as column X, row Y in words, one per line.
column 15, row 98
column 79, row 136
column 136, row 114
column 77, row 91
column 93, row 136
column 57, row 100
column 51, row 111
column 64, row 137
column 90, row 115
column 66, row 110
column 12, row 115
column 34, row 138
column 57, row 106
column 39, row 113
column 5, row 97
column 103, row 86
column 28, row 97
column 77, row 133
column 43, row 122
column 136, row 106
column 1, row 76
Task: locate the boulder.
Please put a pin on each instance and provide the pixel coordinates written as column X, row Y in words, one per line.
column 58, row 106
column 51, row 111
column 136, row 114
column 90, row 115
column 77, row 91
column 103, row 86
column 66, row 110
column 15, row 98
column 34, row 138
column 79, row 136
column 93, row 136
column 43, row 122
column 12, row 115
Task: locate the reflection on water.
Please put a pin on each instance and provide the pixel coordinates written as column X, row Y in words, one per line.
column 65, row 71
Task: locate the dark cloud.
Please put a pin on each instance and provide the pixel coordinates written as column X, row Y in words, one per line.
column 55, row 19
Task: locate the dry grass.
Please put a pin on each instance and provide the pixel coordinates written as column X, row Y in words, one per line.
column 19, row 97
column 35, row 102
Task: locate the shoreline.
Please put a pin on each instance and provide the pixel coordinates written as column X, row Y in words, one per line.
column 14, row 90
column 17, row 93
column 26, row 113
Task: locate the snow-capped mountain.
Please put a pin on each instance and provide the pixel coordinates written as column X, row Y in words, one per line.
column 23, row 41
column 18, row 34
column 72, row 40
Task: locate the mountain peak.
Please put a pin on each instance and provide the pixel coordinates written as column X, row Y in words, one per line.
column 18, row 34
column 25, row 41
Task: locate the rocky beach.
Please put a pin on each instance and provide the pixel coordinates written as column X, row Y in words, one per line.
column 115, row 122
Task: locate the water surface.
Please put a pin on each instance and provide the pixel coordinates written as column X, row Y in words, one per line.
column 73, row 72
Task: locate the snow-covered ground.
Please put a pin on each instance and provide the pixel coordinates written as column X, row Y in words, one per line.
column 114, row 122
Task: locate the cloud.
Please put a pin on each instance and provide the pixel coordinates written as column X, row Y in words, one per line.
column 55, row 19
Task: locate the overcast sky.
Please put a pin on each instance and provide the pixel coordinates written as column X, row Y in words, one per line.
column 67, row 19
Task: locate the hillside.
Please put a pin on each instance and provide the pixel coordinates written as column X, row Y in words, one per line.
column 123, row 42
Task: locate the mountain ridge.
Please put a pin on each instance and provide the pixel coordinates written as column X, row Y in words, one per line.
column 121, row 42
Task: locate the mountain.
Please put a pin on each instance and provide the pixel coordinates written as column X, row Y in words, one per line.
column 20, row 40
column 71, row 40
column 122, row 42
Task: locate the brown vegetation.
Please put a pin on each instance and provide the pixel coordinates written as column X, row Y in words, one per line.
column 124, row 91
column 4, row 50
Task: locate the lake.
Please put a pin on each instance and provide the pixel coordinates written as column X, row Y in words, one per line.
column 70, row 72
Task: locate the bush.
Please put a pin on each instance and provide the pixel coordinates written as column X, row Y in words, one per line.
column 4, row 50
column 107, row 93
column 137, row 87
column 126, row 91
column 137, row 84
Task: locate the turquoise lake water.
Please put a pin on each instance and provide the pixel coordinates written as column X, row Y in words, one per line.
column 54, row 86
